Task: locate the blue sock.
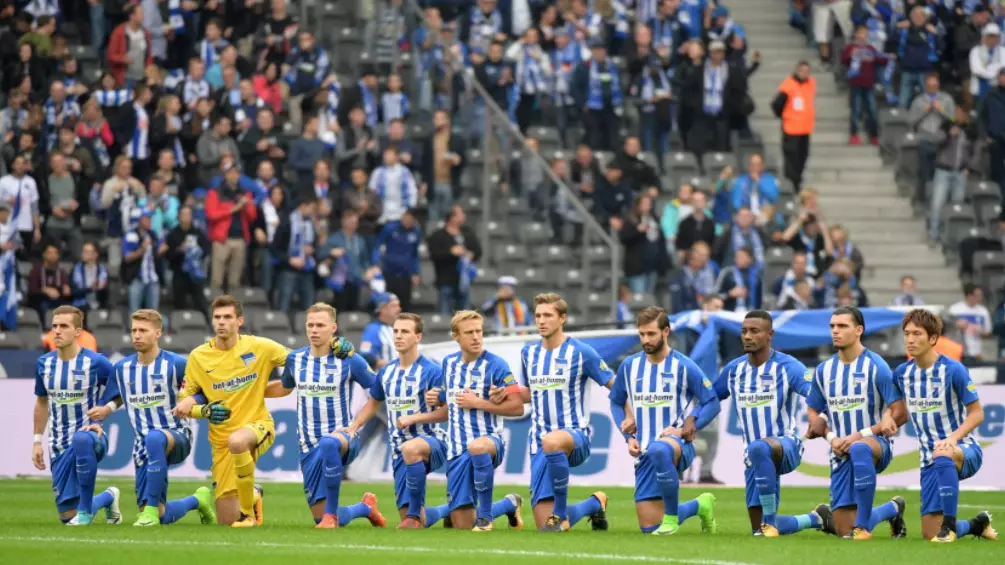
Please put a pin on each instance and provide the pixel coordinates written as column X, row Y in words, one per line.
column 649, row 529
column 791, row 524
column 346, row 514
column 156, row 444
column 667, row 480
column 558, row 469
column 415, row 483
column 687, row 510
column 484, row 475
column 765, row 477
column 176, row 509
column 332, row 461
column 865, row 482
column 949, row 485
column 435, row 513
column 588, row 507
column 962, row 528
column 102, row 500
column 881, row 514
column 501, row 508
column 87, row 468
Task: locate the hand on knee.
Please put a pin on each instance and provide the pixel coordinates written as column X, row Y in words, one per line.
column 330, row 443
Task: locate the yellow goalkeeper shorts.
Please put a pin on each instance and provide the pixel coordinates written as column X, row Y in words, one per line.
column 224, row 479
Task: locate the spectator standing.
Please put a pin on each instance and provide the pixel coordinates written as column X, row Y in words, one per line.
column 230, row 212
column 63, row 224
column 211, row 148
column 141, row 252
column 928, row 116
column 396, row 251
column 645, row 255
column 305, row 151
column 133, row 131
column 958, row 154
column 445, row 166
column 187, row 249
column 454, row 250
column 757, row 190
column 293, row 247
column 597, row 90
column 918, row 48
column 395, row 186
column 506, row 309
column 966, row 36
column 986, row 60
column 19, row 190
column 89, row 280
column 163, row 207
column 271, row 209
column 861, row 58
column 795, row 104
column 48, row 284
column 800, row 297
column 120, row 194
column 741, row 283
column 303, row 71
column 809, row 234
column 637, row 173
column 696, row 227
column 356, row 145
column 366, row 202
column 695, row 281
column 827, row 13
column 533, row 73
column 992, row 124
column 613, row 195
column 362, row 95
column 674, row 212
column 972, row 319
column 908, row 295
column 704, row 101
column 129, row 49
column 264, row 141
column 348, row 257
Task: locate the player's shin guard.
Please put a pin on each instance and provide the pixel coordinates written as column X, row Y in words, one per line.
column 865, row 482
column 176, row 509
column 558, row 469
column 156, row 444
column 667, row 478
column 765, row 477
column 415, row 482
column 949, row 486
column 331, row 456
column 484, row 476
column 244, row 471
column 87, row 468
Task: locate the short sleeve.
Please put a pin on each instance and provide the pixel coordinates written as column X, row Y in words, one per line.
column 697, row 383
column 884, row 382
column 275, row 352
column 193, row 375
column 360, row 372
column 104, row 373
column 619, row 391
column 596, row 368
column 800, row 378
column 179, row 370
column 289, row 382
column 523, row 380
column 377, row 386
column 502, row 376
column 898, row 375
column 963, row 385
column 432, row 376
column 40, row 389
column 816, row 399
column 113, row 391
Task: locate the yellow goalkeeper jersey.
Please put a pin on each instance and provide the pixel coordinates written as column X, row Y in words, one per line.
column 237, row 376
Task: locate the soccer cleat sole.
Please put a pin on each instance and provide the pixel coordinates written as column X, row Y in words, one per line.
column 377, row 519
column 328, row 522
column 598, row 522
column 114, row 513
column 515, row 519
column 898, row 527
column 259, row 517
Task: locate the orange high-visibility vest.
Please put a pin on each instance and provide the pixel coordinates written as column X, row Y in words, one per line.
column 799, row 115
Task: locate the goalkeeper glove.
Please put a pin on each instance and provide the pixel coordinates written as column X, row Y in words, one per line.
column 216, row 412
column 342, row 347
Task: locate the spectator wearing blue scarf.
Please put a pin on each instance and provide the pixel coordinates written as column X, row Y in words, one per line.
column 396, row 253
column 89, row 280
column 187, row 248
column 348, row 260
column 741, row 283
column 743, row 234
column 596, row 87
column 694, row 281
column 293, row 247
column 918, row 49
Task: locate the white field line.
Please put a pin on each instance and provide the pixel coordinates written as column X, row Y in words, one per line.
column 310, row 546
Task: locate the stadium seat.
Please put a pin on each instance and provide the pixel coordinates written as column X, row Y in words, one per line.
column 603, row 158
column 779, row 256
column 571, row 278
column 651, row 159
column 10, row 340
column 28, row 318
column 509, row 253
column 683, row 164
column 91, row 225
column 105, row 319
column 958, row 219
column 532, row 281
column 284, row 337
column 480, row 294
column 599, row 255
column 893, row 127
column 995, row 290
column 598, row 306
column 545, row 135
column 353, row 320
column 988, row 264
column 113, row 340
column 713, row 163
column 907, row 158
column 423, row 299
column 211, row 293
column 31, row 338
column 183, row 320
column 497, row 231
column 878, row 342
column 251, row 296
column 988, row 216
column 437, row 328
column 639, row 301
column 983, row 194
column 534, row 233
column 270, row 320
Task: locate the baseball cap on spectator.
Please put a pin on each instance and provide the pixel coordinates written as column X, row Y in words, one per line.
column 382, row 299
column 990, row 29
column 507, row 280
column 720, row 12
column 716, row 46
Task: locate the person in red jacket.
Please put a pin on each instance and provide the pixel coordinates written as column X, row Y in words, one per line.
column 230, row 212
column 129, row 48
column 862, row 60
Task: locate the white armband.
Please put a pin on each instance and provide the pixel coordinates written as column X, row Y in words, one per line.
column 831, row 436
column 866, row 432
column 824, row 417
column 112, row 405
column 37, row 438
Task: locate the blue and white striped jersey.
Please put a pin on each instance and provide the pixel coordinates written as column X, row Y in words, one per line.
column 377, row 343
column 139, row 143
column 403, row 392
column 73, row 387
column 132, row 241
column 463, row 424
column 853, row 395
column 937, row 398
column 324, row 392
column 659, row 394
column 766, row 397
column 149, row 392
column 559, row 382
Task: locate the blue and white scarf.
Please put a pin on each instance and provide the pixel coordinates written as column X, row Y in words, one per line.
column 751, row 281
column 192, row 265
column 394, row 105
column 810, row 243
column 703, row 281
column 209, row 52
column 369, row 105
column 382, row 173
column 339, row 274
column 113, row 98
column 8, row 278
column 651, row 88
column 563, row 63
column 529, row 74
column 301, row 235
column 483, row 29
column 86, row 277
column 466, row 273
column 176, row 18
column 596, row 101
column 752, row 242
column 714, row 87
column 663, row 31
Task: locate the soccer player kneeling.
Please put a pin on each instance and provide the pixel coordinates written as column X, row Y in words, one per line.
column 323, row 374
column 649, row 400
column 943, row 404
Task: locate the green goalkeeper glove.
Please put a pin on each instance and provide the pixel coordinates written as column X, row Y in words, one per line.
column 342, row 347
column 215, row 412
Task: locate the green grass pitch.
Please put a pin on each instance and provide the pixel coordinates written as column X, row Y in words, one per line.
column 30, row 533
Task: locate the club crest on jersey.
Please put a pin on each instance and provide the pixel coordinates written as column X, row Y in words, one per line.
column 248, row 358
column 79, row 375
column 767, row 386
column 808, row 375
column 332, row 369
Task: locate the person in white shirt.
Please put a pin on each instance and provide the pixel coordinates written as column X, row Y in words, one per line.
column 986, row 59
column 973, row 319
column 20, row 191
column 394, row 183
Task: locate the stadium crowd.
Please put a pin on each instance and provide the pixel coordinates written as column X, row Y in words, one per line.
column 159, row 153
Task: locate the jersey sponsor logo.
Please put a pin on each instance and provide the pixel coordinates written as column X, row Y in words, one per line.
column 755, row 399
column 547, row 382
column 318, row 389
column 924, row 405
column 237, row 383
column 67, row 396
column 653, row 399
column 846, row 403
column 402, row 403
column 146, row 400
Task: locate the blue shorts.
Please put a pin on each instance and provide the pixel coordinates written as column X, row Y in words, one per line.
column 792, row 455
column 437, row 457
column 182, row 448
column 843, row 478
column 973, row 456
column 312, row 465
column 540, row 480
column 645, row 475
column 461, row 476
column 64, row 474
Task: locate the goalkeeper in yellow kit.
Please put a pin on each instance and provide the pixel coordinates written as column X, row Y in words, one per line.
column 228, row 374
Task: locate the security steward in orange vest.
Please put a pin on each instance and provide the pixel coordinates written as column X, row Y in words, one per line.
column 795, row 104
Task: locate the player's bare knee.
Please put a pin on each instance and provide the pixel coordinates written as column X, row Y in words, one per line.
column 942, row 451
column 555, row 442
column 412, row 452
column 479, row 447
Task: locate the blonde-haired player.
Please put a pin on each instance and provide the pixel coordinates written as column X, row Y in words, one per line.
column 231, row 372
